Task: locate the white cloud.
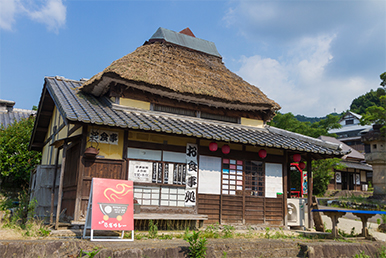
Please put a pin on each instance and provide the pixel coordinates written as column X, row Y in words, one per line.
column 52, row 13
column 298, row 81
column 8, row 10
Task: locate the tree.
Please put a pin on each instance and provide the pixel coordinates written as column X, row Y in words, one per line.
column 323, row 172
column 322, row 169
column 290, row 123
column 376, row 114
column 369, row 99
column 16, row 161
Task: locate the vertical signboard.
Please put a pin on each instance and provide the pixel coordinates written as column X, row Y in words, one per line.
column 191, row 174
column 111, row 206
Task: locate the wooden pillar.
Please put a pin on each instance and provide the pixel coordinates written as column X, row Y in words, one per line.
column 60, row 192
column 53, row 187
column 310, row 188
column 80, row 172
column 285, row 186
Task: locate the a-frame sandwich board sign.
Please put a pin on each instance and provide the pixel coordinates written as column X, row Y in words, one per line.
column 110, row 207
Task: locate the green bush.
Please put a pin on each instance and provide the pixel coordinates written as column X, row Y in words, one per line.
column 197, row 248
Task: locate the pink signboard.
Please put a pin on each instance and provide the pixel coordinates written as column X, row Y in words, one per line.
column 112, row 204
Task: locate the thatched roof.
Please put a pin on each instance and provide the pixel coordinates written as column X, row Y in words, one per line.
column 179, row 73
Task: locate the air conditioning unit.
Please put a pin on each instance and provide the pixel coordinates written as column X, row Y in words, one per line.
column 296, row 212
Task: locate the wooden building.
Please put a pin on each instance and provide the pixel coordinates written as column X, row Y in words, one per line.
column 170, row 116
column 351, row 131
column 356, row 174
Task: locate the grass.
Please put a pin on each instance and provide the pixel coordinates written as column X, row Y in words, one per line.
column 19, row 217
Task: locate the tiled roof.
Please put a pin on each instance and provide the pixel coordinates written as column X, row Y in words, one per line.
column 76, row 105
column 351, row 153
column 357, row 165
column 9, row 117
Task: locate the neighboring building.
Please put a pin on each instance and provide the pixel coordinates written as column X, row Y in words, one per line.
column 350, row 132
column 356, row 175
column 9, row 114
column 171, row 117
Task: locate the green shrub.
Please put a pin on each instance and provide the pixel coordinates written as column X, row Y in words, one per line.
column 153, row 230
column 197, row 248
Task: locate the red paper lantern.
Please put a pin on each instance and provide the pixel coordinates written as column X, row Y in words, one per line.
column 262, row 153
column 302, row 165
column 226, row 149
column 297, row 157
column 213, row 146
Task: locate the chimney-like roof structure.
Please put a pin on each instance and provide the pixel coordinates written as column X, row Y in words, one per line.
column 182, row 67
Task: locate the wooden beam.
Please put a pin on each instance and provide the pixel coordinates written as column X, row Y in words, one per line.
column 53, row 187
column 60, row 193
column 76, row 127
column 285, row 186
column 80, row 175
column 310, row 188
column 55, row 133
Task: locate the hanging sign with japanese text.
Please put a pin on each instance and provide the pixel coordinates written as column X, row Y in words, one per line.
column 112, row 204
column 191, row 174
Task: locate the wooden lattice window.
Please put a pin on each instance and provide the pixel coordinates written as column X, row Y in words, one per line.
column 254, row 178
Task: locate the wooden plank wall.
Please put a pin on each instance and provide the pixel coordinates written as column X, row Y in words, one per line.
column 69, row 180
column 254, row 210
column 209, row 204
column 232, row 209
column 101, row 168
column 228, row 209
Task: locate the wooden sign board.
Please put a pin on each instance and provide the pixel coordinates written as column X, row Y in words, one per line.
column 110, row 207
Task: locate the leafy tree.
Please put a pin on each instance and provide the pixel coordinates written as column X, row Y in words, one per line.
column 323, row 172
column 16, row 161
column 369, row 99
column 376, row 114
column 290, row 123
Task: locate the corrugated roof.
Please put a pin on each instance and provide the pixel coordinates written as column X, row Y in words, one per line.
column 76, row 105
column 183, row 40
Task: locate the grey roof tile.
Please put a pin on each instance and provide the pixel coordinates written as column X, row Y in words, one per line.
column 9, row 117
column 76, row 105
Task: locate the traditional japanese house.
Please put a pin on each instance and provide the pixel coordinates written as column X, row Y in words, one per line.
column 170, row 116
column 356, row 174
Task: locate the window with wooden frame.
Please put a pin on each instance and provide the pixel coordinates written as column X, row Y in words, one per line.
column 240, row 177
column 254, row 178
column 156, row 167
column 162, row 174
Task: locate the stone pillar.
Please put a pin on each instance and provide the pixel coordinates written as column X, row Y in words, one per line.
column 377, row 158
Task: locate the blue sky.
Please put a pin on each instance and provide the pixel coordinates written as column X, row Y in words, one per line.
column 312, row 57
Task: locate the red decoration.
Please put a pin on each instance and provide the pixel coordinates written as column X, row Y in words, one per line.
column 302, row 165
column 297, row 157
column 226, row 149
column 262, row 153
column 213, row 146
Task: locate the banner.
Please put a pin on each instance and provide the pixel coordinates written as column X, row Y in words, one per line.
column 191, row 174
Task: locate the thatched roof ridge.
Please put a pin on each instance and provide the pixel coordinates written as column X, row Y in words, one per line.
column 173, row 69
